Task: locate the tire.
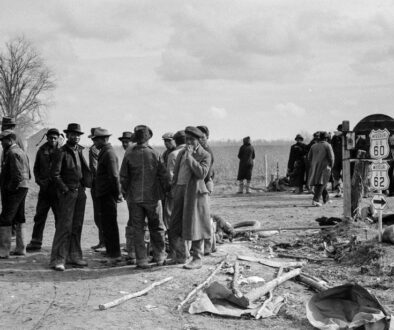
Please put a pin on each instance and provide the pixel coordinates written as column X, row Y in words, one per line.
column 246, row 225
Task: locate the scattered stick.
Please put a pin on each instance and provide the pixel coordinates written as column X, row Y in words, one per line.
column 203, row 284
column 318, row 285
column 285, row 255
column 273, row 263
column 255, row 230
column 234, row 284
column 280, row 272
column 263, row 290
column 133, row 295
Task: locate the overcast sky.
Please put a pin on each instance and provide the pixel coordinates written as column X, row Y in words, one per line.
column 264, row 68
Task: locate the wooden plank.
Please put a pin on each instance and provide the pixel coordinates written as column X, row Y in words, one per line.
column 347, row 186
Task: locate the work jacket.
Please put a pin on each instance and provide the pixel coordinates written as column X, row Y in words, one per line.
column 42, row 165
column 15, row 169
column 143, row 176
column 107, row 175
column 64, row 171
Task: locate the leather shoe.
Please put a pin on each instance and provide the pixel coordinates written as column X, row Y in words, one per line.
column 144, row 266
column 59, row 267
column 32, row 248
column 194, row 264
column 98, row 246
column 80, row 263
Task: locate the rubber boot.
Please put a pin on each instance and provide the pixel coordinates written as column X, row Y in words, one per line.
column 247, row 187
column 130, row 245
column 20, row 249
column 5, row 241
column 240, row 187
column 197, row 252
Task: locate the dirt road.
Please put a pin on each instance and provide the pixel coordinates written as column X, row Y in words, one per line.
column 35, row 297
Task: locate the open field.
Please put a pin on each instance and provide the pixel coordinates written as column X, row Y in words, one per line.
column 35, row 297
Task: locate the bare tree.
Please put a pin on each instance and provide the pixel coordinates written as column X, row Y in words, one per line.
column 25, row 81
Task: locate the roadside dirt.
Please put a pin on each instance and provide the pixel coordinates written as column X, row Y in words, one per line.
column 36, row 297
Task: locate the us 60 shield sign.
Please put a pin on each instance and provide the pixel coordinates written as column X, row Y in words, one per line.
column 379, row 147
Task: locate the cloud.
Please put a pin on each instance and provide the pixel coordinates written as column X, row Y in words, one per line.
column 287, row 110
column 219, row 113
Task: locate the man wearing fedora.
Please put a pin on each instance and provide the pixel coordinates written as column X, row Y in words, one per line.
column 47, row 197
column 93, row 160
column 9, row 123
column 14, row 182
column 127, row 140
column 190, row 218
column 108, row 193
column 296, row 164
column 71, row 174
column 143, row 177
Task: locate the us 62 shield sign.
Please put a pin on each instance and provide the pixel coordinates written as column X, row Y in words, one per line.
column 379, row 145
column 380, row 179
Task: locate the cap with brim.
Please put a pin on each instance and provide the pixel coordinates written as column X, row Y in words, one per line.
column 126, row 136
column 100, row 132
column 8, row 133
column 167, row 136
column 73, row 128
column 143, row 127
column 53, row 131
column 179, row 134
column 204, row 129
column 194, row 131
column 91, row 135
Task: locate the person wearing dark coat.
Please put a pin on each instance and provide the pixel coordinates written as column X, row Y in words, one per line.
column 71, row 174
column 190, row 218
column 93, row 161
column 108, row 193
column 143, row 179
column 47, row 197
column 314, row 140
column 14, row 183
column 321, row 158
column 336, row 143
column 296, row 164
column 246, row 157
column 127, row 140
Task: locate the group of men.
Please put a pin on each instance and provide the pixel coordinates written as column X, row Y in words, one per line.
column 316, row 164
column 166, row 194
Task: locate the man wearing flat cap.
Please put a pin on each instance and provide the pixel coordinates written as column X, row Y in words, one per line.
column 190, row 218
column 14, row 182
column 47, row 197
column 296, row 164
column 321, row 158
column 143, row 178
column 71, row 174
column 127, row 139
column 93, row 160
column 108, row 193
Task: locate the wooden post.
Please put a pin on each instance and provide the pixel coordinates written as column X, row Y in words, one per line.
column 266, row 170
column 347, row 184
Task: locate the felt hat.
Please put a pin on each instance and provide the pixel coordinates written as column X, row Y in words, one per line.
column 299, row 137
column 167, row 136
column 143, row 127
column 100, row 132
column 339, row 128
column 204, row 129
column 194, row 131
column 53, row 131
column 129, row 136
column 179, row 134
column 91, row 135
column 8, row 133
column 73, row 127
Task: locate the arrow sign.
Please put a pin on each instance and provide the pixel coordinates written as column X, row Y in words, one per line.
column 379, row 202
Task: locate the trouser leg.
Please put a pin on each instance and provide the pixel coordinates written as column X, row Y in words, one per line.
column 138, row 223
column 318, row 190
column 325, row 194
column 5, row 241
column 42, row 209
column 62, row 237
column 20, row 248
column 247, row 187
column 96, row 215
column 156, row 230
column 109, row 225
column 177, row 244
column 75, row 252
column 240, row 187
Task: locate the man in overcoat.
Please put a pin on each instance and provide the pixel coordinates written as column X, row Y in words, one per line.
column 47, row 197
column 108, row 193
column 14, row 182
column 71, row 174
column 296, row 164
column 190, row 218
column 143, row 177
column 246, row 157
column 321, row 159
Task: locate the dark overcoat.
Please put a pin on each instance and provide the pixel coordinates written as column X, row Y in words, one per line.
column 107, row 174
column 196, row 224
column 246, row 156
column 321, row 159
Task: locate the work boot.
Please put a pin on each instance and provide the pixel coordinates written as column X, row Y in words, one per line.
column 33, row 246
column 5, row 242
column 240, row 187
column 247, row 187
column 197, row 252
column 20, row 249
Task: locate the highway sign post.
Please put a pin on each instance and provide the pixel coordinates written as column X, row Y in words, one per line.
column 379, row 149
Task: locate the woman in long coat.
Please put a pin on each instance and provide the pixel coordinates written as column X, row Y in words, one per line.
column 321, row 159
column 246, row 157
column 190, row 218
